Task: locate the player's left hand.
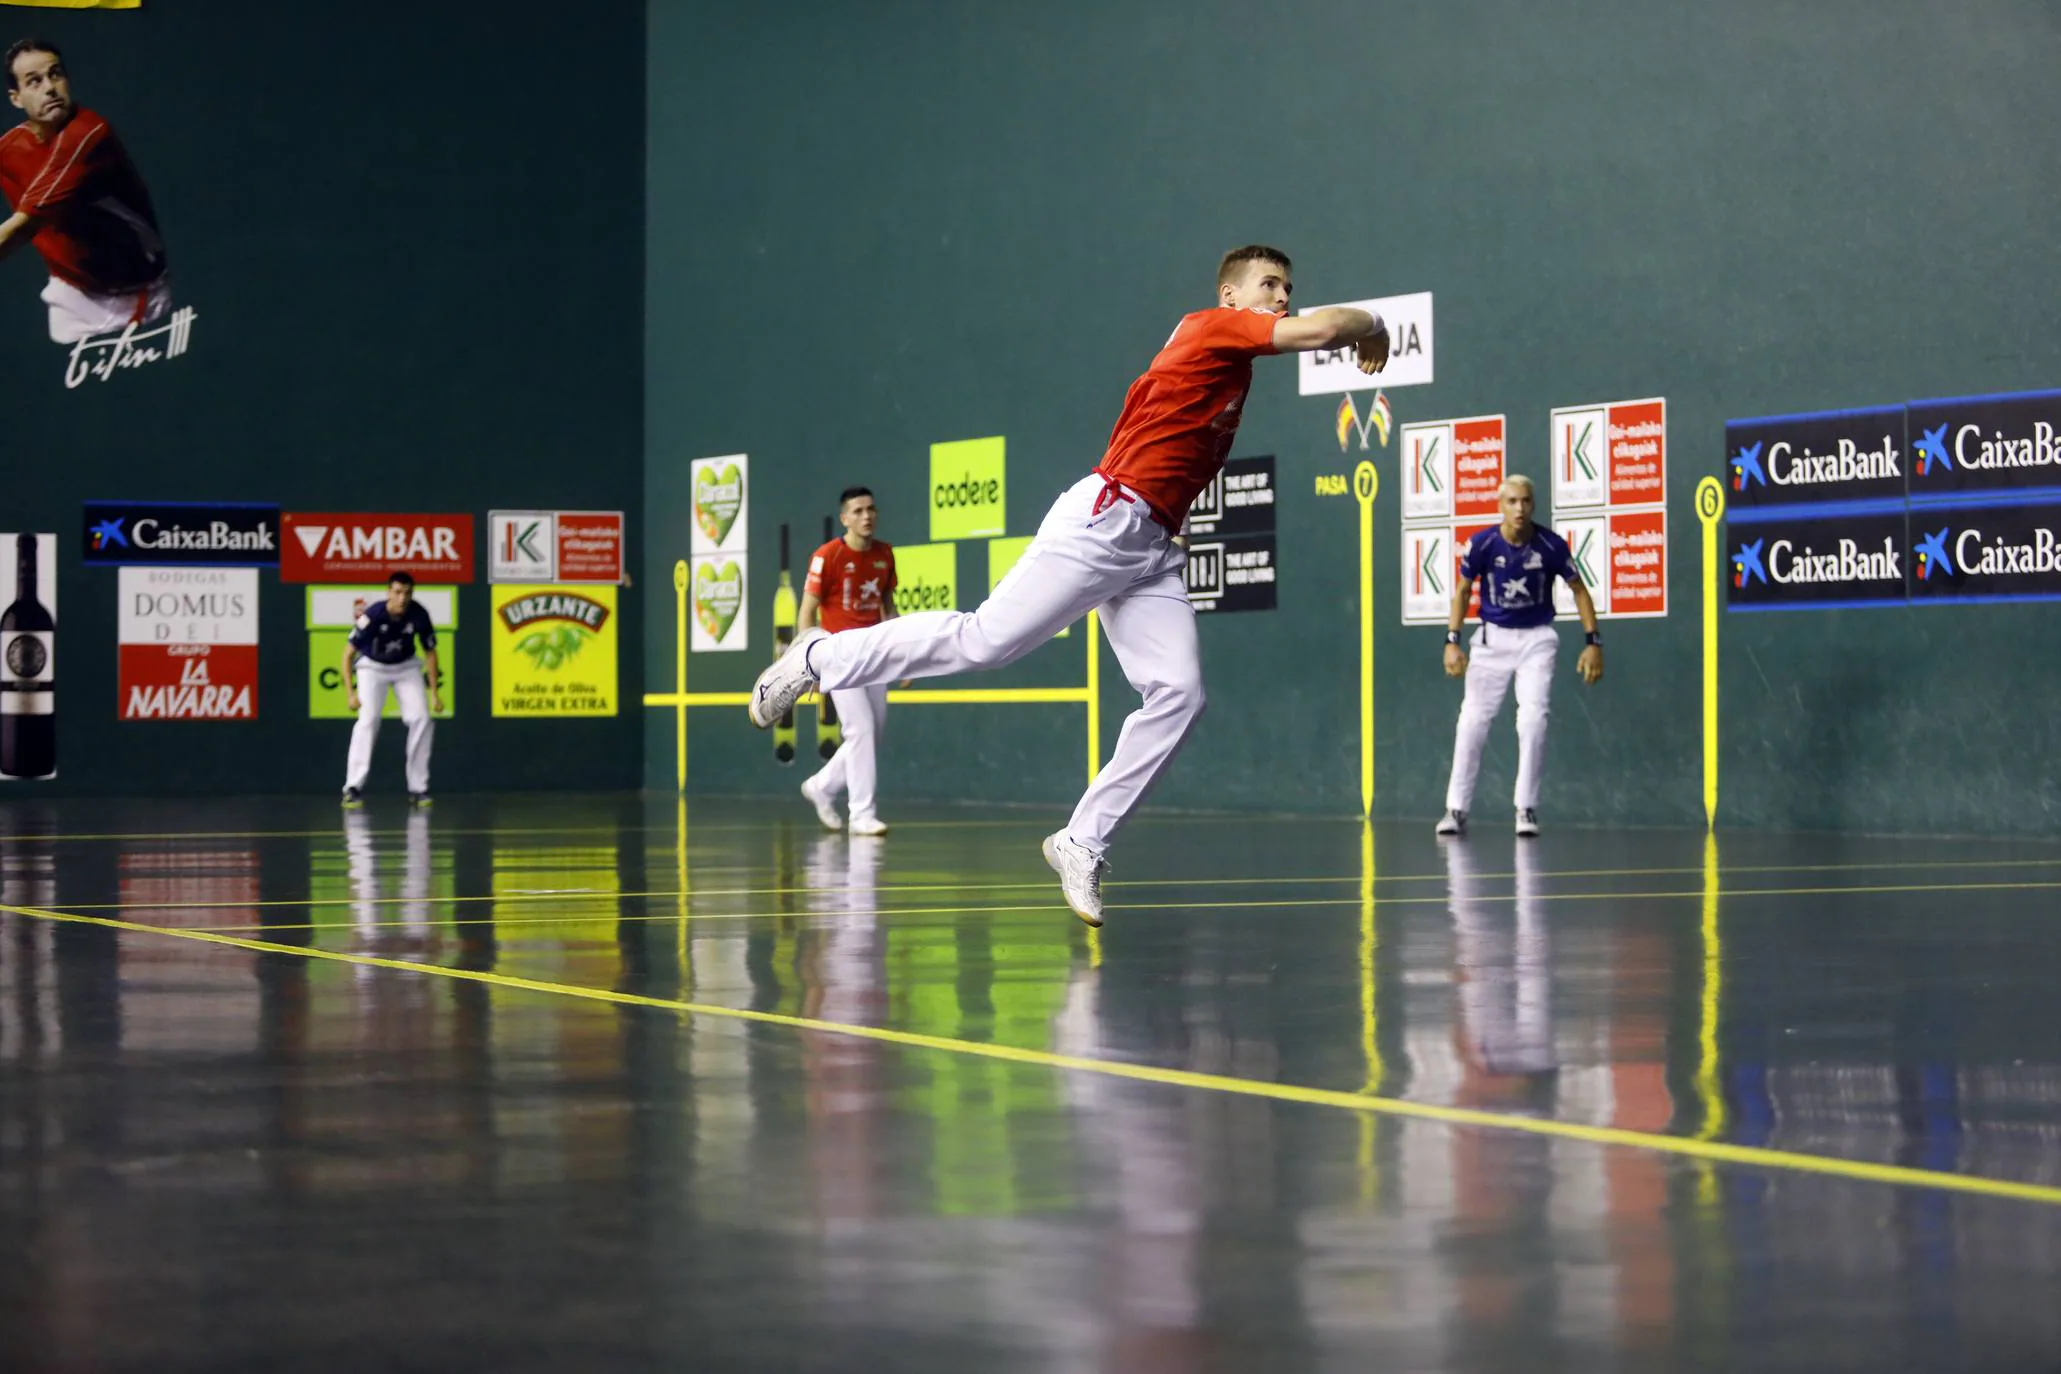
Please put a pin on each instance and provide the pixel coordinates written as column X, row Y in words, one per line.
column 436, row 703
column 1590, row 664
column 1373, row 351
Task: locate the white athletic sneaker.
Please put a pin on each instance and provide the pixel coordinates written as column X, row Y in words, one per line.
column 1527, row 822
column 784, row 683
column 1453, row 823
column 1080, row 876
column 826, row 809
column 867, row 825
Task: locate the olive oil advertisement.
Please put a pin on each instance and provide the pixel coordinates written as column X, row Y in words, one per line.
column 554, row 650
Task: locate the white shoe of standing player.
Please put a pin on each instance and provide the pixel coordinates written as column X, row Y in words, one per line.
column 826, row 809
column 1527, row 822
column 1080, row 875
column 1453, row 823
column 867, row 825
column 784, row 683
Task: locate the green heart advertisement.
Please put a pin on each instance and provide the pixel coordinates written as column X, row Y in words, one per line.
column 717, row 596
column 721, row 503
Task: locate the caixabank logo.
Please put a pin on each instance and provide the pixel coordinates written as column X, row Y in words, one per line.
column 1844, row 455
column 1992, row 553
column 1843, row 560
column 1986, row 443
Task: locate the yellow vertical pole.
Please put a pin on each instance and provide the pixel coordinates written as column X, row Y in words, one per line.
column 1710, row 508
column 680, row 676
column 1094, row 638
column 1365, row 483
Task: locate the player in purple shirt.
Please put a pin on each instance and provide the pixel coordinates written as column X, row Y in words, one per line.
column 1515, row 562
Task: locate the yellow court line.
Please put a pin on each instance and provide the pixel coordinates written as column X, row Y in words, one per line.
column 519, row 897
column 1274, row 904
column 558, row 894
column 1748, row 1155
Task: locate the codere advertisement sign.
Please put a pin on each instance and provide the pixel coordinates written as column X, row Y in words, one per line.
column 554, row 650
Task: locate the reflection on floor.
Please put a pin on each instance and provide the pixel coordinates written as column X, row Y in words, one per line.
column 439, row 1104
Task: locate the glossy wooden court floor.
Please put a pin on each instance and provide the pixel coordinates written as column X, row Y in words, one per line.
column 606, row 1083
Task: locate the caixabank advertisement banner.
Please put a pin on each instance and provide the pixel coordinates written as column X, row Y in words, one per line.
column 1828, row 456
column 1979, row 445
column 1841, row 559
column 554, row 650
column 1961, row 495
column 2006, row 552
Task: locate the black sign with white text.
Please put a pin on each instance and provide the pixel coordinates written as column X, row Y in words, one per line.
column 1239, row 500
column 1985, row 443
column 1232, row 574
column 1985, row 552
column 1837, row 560
column 179, row 534
column 1787, row 460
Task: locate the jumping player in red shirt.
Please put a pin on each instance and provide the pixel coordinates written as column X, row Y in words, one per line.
column 852, row 582
column 1108, row 543
column 77, row 197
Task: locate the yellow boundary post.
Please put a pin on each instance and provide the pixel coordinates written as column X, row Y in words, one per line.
column 1710, row 508
column 681, row 700
column 1366, row 482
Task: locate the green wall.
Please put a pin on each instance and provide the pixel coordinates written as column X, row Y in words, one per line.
column 413, row 238
column 925, row 223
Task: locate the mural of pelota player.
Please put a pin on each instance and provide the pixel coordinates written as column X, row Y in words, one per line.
column 75, row 194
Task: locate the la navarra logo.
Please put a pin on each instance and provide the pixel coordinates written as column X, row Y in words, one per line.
column 559, row 625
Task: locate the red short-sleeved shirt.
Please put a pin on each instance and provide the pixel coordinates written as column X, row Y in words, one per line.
column 95, row 225
column 1180, row 417
column 853, row 587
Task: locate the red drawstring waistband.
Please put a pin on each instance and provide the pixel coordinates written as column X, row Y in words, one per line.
column 1110, row 494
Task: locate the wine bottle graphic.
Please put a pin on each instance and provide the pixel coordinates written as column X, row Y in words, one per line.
column 28, row 696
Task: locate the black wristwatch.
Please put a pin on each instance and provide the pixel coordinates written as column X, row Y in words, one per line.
column 1594, row 638
column 1452, row 636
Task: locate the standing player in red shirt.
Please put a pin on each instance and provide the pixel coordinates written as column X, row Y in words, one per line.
column 77, row 197
column 852, row 581
column 1108, row 543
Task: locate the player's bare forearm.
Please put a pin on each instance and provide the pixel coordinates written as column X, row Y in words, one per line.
column 1456, row 618
column 887, row 607
column 805, row 614
column 1585, row 606
column 350, row 664
column 1331, row 327
column 429, row 668
column 15, row 231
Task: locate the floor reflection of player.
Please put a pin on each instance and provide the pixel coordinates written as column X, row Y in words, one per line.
column 1504, row 981
column 846, row 981
column 374, row 921
column 1143, row 1141
column 74, row 194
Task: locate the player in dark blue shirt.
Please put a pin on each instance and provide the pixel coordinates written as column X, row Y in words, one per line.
column 1516, row 563
column 382, row 654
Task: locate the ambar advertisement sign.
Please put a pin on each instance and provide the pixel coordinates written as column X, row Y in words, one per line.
column 336, row 548
column 554, row 650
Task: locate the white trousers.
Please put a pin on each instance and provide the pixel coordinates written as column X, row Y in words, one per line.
column 76, row 314
column 862, row 712
column 406, row 681
column 1115, row 559
column 1495, row 658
